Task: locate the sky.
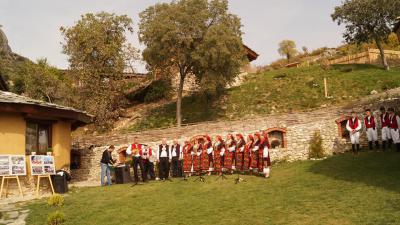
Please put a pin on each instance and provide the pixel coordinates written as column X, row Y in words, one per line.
column 32, row 27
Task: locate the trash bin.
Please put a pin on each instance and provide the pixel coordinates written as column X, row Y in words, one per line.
column 122, row 174
column 60, row 182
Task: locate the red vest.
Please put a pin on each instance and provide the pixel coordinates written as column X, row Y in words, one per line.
column 353, row 125
column 370, row 123
column 385, row 120
column 393, row 122
column 137, row 146
column 149, row 152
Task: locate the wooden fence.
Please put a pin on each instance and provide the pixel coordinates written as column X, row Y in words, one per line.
column 368, row 57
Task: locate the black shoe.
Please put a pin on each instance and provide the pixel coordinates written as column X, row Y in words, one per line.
column 384, row 145
column 398, row 147
column 390, row 141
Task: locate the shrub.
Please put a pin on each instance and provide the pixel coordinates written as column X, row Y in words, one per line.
column 316, row 150
column 56, row 200
column 388, row 84
column 159, row 89
column 55, row 218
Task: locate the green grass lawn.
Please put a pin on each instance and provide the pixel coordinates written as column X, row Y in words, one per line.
column 294, row 89
column 338, row 190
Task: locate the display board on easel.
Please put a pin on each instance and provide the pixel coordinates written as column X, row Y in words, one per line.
column 42, row 165
column 11, row 167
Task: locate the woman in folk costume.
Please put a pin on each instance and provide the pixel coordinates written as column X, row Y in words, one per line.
column 187, row 158
column 230, row 146
column 205, row 164
column 240, row 145
column 196, row 156
column 266, row 159
column 209, row 148
column 219, row 149
column 254, row 151
column 246, row 153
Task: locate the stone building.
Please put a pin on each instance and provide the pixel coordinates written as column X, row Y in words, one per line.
column 28, row 125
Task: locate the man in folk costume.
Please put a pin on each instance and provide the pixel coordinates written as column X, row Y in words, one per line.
column 247, row 152
column 205, row 164
column 354, row 126
column 135, row 149
column 187, row 158
column 210, row 150
column 394, row 123
column 385, row 130
column 254, row 152
column 148, row 164
column 176, row 155
column 370, row 129
column 266, row 156
column 163, row 159
column 219, row 149
column 197, row 149
column 230, row 146
column 240, row 145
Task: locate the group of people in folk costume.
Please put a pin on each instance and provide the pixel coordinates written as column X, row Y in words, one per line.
column 201, row 156
column 389, row 125
column 229, row 155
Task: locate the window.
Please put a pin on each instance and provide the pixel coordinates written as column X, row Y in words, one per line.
column 37, row 137
column 342, row 131
column 276, row 137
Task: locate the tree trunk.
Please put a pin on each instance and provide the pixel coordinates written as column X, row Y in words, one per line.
column 179, row 100
column 383, row 57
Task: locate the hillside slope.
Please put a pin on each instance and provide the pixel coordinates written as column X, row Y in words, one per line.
column 280, row 91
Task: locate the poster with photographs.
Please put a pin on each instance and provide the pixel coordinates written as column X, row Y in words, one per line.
column 42, row 165
column 12, row 165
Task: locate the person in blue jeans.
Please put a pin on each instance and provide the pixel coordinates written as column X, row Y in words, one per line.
column 105, row 163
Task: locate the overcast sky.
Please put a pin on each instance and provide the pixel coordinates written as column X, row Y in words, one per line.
column 32, row 27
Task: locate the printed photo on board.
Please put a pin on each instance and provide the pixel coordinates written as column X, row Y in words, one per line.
column 36, row 159
column 49, row 170
column 48, row 160
column 37, row 170
column 17, row 160
column 18, row 170
column 4, row 160
column 4, row 170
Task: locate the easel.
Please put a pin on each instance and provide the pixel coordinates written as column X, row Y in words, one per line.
column 4, row 178
column 222, row 176
column 38, row 183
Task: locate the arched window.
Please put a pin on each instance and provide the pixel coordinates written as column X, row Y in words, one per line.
column 277, row 137
column 342, row 131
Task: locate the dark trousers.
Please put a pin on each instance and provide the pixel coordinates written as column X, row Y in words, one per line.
column 138, row 162
column 164, row 168
column 176, row 167
column 148, row 169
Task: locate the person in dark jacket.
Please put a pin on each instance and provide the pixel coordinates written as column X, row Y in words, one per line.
column 106, row 162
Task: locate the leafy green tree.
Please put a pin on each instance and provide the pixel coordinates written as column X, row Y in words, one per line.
column 47, row 83
column 287, row 48
column 98, row 54
column 367, row 20
column 197, row 37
